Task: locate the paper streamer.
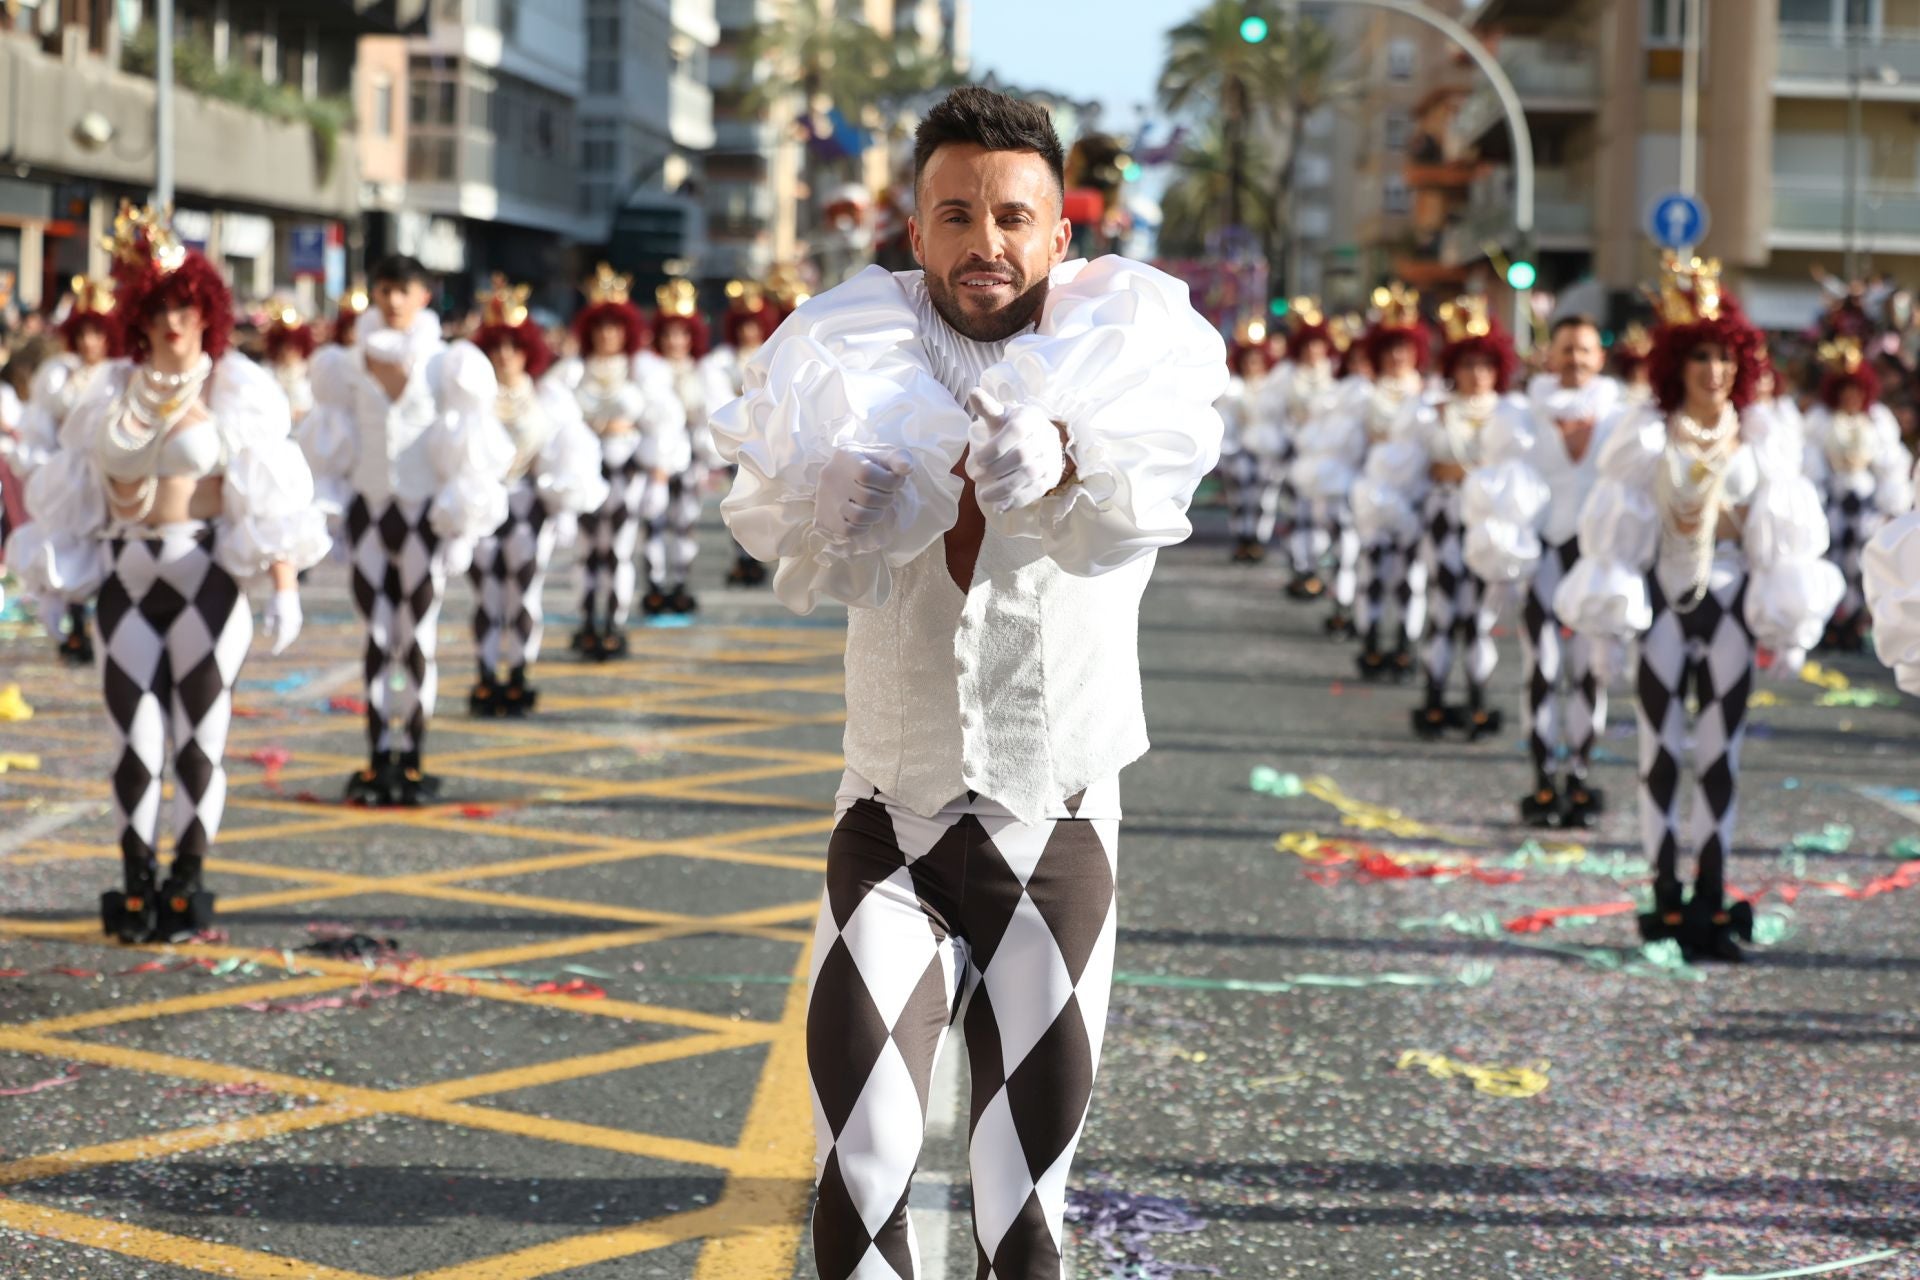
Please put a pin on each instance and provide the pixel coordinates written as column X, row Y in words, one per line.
column 1477, row 974
column 68, row 1076
column 1500, row 1082
column 1270, row 781
column 1815, row 674
column 1818, row 1269
column 13, row 706
column 24, row 761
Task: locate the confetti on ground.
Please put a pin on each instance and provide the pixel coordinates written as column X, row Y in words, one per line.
column 1270, row 781
column 1815, row 674
column 24, row 761
column 1817, row 1269
column 1122, row 1226
column 13, row 705
column 1499, row 1082
column 71, row 1074
column 1858, row 698
column 1373, row 863
column 1832, row 838
column 1477, row 974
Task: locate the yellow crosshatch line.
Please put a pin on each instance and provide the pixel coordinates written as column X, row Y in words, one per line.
column 754, row 1227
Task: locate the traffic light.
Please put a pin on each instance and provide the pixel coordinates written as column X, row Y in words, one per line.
column 1521, row 274
column 1253, row 29
column 1279, row 307
column 1132, row 171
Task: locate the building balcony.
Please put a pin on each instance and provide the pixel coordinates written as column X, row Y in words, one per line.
column 756, row 136
column 689, row 113
column 258, row 161
column 1446, row 175
column 1820, row 62
column 1815, row 217
column 1552, row 77
column 1429, row 273
column 1562, row 214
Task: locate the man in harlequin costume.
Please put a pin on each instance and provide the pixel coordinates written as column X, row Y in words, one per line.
column 290, row 343
column 1312, row 394
column 628, row 401
column 750, row 320
column 92, row 338
column 1855, row 457
column 405, row 446
column 554, row 478
column 1700, row 544
column 1523, row 517
column 1254, row 448
column 681, row 339
column 1387, row 498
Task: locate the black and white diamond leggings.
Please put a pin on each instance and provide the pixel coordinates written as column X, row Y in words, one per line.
column 1010, row 925
column 1566, row 699
column 1460, row 618
column 1709, row 653
column 399, row 579
column 174, row 627
column 1255, row 487
column 509, row 570
column 673, row 540
column 1852, row 520
column 610, row 541
column 1391, row 569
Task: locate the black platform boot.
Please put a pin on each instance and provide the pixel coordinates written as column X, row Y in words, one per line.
column 1431, row 719
column 517, row 697
column 484, row 699
column 682, row 601
column 1481, row 720
column 1668, row 917
column 1305, row 586
column 1400, row 666
column 613, row 644
column 131, row 915
column 374, row 785
column 586, row 637
column 1371, row 662
column 746, row 572
column 1339, row 624
column 416, row 786
column 1544, row 806
column 1585, row 804
column 1712, row 930
column 186, row 910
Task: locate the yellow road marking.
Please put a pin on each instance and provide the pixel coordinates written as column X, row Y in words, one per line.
column 157, row 1246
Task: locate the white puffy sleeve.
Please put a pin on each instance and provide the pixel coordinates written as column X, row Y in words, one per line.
column 1892, row 465
column 471, row 451
column 1792, row 589
column 58, row 551
column 268, row 515
column 1123, row 360
column 717, row 378
column 1386, row 498
column 328, row 434
column 666, row 442
column 1330, row 448
column 1504, row 502
column 1231, row 408
column 846, row 369
column 1890, row 567
column 1604, row 595
column 36, row 434
column 568, row 472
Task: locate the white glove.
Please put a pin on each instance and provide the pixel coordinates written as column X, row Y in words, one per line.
column 52, row 611
column 458, row 553
column 1786, row 665
column 281, row 622
column 566, row 527
column 1014, row 454
column 654, row 499
column 857, row 486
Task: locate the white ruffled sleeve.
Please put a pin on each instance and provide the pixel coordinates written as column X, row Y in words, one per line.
column 471, row 451
column 1387, row 496
column 568, row 472
column 1792, row 589
column 666, row 443
column 1504, row 502
column 58, row 552
column 327, row 435
column 1330, row 450
column 268, row 514
column 1892, row 466
column 1890, row 569
column 846, row 369
column 1132, row 370
column 1604, row 595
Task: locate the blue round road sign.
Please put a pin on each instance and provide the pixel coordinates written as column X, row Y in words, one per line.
column 1677, row 221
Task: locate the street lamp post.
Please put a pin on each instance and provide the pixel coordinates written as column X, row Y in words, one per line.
column 163, row 106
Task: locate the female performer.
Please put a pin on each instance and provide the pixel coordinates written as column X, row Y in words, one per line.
column 1388, row 496
column 1312, row 393
column 176, row 484
column 1253, row 457
column 290, row 343
column 1701, row 541
column 680, row 338
column 555, row 477
column 628, row 402
column 750, row 320
column 1855, row 457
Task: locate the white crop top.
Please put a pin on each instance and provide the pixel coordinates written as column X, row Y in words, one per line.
column 192, row 451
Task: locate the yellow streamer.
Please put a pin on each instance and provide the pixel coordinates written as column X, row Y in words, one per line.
column 1499, row 1082
column 23, row 760
column 1815, row 674
column 1362, row 816
column 13, row 706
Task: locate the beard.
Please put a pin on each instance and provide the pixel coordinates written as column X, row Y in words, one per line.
column 987, row 326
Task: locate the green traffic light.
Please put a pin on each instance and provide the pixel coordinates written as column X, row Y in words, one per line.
column 1132, row 172
column 1253, row 30
column 1521, row 275
column 1278, row 306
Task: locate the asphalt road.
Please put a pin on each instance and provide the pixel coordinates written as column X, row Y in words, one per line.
column 581, row 1058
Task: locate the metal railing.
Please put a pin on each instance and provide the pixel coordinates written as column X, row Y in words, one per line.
column 1545, row 72
column 1822, row 209
column 1821, row 52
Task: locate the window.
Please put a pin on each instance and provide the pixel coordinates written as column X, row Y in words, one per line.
column 1666, row 22
column 382, row 107
column 430, row 158
column 603, row 70
column 1401, row 55
column 1833, row 19
column 1398, row 124
column 1312, row 170
column 1395, row 196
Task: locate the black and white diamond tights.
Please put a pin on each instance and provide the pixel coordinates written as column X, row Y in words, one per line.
column 1460, row 618
column 609, row 544
column 673, row 540
column 1566, row 699
column 509, row 571
column 399, row 579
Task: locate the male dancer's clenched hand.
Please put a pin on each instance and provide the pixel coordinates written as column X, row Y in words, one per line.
column 856, row 488
column 1015, row 454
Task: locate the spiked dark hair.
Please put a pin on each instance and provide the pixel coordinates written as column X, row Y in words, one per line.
column 972, row 114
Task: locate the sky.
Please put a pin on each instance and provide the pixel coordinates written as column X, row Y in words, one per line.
column 1109, row 50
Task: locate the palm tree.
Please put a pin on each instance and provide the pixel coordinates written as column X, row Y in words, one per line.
column 1191, row 205
column 1211, row 66
column 1312, row 61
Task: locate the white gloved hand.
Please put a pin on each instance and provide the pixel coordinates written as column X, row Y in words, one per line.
column 282, row 621
column 1786, row 665
column 654, row 498
column 566, row 528
column 857, row 486
column 458, row 553
column 1014, row 453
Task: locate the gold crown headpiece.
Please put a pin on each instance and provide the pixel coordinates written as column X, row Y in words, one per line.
column 1842, row 355
column 284, row 314
column 1399, row 306
column 786, row 286
column 1689, row 290
column 1250, row 332
column 745, row 295
column 1635, row 342
column 1304, row 313
column 608, row 285
column 355, row 299
column 92, row 295
column 505, row 303
column 142, row 237
column 677, row 298
column 1466, row 317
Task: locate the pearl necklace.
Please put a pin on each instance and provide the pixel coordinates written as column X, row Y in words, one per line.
column 1690, row 505
column 142, row 417
column 518, row 412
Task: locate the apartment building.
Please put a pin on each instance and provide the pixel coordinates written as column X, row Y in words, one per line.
column 247, row 185
column 1809, row 139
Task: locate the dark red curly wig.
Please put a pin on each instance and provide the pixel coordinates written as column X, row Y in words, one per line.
column 1494, row 346
column 1383, row 336
column 289, row 339
column 766, row 315
column 625, row 314
column 1298, row 340
column 345, row 320
column 526, row 335
column 695, row 325
column 1838, row 380
column 144, row 292
column 1347, row 362
column 107, row 322
column 1237, row 353
column 1674, row 343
